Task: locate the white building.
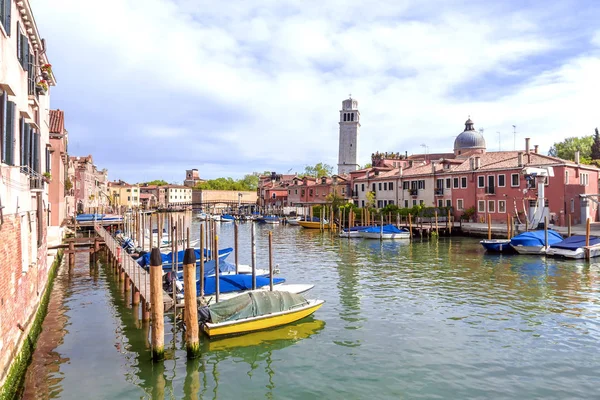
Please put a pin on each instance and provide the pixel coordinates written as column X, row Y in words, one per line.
column 348, row 143
column 178, row 194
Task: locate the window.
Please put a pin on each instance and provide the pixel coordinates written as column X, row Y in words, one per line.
column 362, row 187
column 391, row 185
column 480, row 181
column 491, row 206
column 134, row 198
column 414, row 203
column 379, row 185
column 8, row 130
column 459, row 204
column 572, row 205
column 295, row 191
column 491, row 184
column 374, row 187
column 448, row 181
column 455, row 185
column 421, row 202
column 481, row 206
column 463, row 182
column 310, row 192
column 128, row 190
column 384, row 185
column 391, row 202
column 421, row 184
column 405, row 203
column 379, row 204
column 448, row 203
column 22, row 46
column 501, row 206
column 514, row 180
column 274, row 195
column 501, row 181
column 289, row 192
column 355, row 189
column 440, row 203
column 584, row 178
column 439, row 184
column 566, row 177
column 405, row 185
column 363, row 204
column 128, row 198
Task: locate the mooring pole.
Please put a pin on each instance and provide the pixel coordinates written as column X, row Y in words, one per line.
column 202, row 257
column 235, row 245
column 253, row 246
column 489, row 223
column 71, row 254
column 410, row 226
column 569, row 226
column 157, row 306
column 190, row 311
column 270, row 260
column 217, row 270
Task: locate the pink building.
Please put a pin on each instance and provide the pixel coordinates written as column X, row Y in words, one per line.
column 60, row 193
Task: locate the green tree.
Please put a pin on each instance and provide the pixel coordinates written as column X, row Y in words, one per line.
column 250, row 182
column 567, row 148
column 157, row 182
column 335, row 200
column 318, row 170
column 370, row 199
column 596, row 146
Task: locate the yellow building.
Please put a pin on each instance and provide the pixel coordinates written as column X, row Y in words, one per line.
column 124, row 195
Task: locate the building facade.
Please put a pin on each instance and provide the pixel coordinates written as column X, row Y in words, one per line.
column 59, row 193
column 26, row 79
column 192, row 178
column 158, row 192
column 90, row 185
column 177, row 195
column 124, row 195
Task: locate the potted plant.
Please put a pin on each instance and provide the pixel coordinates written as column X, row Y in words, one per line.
column 42, row 86
column 47, row 177
column 47, row 68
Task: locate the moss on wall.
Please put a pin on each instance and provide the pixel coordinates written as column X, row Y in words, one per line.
column 13, row 385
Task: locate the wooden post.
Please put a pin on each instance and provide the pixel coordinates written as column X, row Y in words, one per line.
column 546, row 232
column 190, row 311
column 587, row 233
column 489, row 222
column 71, row 254
column 202, row 257
column 436, row 222
column 157, row 306
column 127, row 282
column 271, row 260
column 449, row 222
column 569, row 226
column 216, row 269
column 381, row 227
column 410, row 225
column 253, row 250
column 188, row 237
column 235, row 246
column 526, row 225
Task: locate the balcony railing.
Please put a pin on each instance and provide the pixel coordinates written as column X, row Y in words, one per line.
column 413, row 192
column 36, row 181
column 439, row 192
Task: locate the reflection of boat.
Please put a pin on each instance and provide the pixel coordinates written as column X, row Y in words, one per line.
column 497, row 245
column 273, row 338
column 255, row 311
column 574, row 247
column 533, row 242
column 384, row 232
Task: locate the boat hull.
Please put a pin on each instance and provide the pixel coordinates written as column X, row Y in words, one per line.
column 577, row 254
column 297, row 288
column 384, row 236
column 537, row 250
column 261, row 322
column 497, row 245
column 350, row 235
column 314, row 225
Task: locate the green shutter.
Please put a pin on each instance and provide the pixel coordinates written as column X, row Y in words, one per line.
column 10, row 133
column 19, row 43
column 6, row 20
column 24, row 52
column 2, row 122
column 2, row 13
column 36, row 154
column 29, row 147
column 21, row 141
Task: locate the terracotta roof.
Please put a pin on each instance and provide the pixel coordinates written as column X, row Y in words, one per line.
column 432, row 156
column 509, row 160
column 146, row 196
column 57, row 121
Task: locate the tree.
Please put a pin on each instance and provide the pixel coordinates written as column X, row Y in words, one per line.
column 596, row 146
column 567, row 148
column 319, row 170
column 250, row 182
column 157, row 182
column 335, row 200
column 370, row 199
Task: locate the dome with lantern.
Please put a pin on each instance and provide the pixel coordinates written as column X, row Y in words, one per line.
column 469, row 139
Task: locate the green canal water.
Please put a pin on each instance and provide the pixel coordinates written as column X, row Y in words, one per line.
column 432, row 319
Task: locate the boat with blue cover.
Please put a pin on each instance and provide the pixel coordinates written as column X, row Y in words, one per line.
column 384, row 232
column 353, row 232
column 534, row 242
column 268, row 220
column 497, row 245
column 234, row 283
column 226, row 268
column 575, row 247
column 227, row 218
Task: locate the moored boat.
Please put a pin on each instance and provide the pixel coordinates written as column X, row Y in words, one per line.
column 315, row 224
column 353, row 233
column 533, row 242
column 268, row 220
column 575, row 247
column 497, row 245
column 255, row 311
column 227, row 218
column 385, row 232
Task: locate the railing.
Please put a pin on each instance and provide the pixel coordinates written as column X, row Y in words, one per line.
column 439, row 192
column 36, row 181
column 138, row 275
column 414, row 192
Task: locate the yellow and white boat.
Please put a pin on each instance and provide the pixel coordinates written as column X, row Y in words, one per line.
column 314, row 225
column 254, row 312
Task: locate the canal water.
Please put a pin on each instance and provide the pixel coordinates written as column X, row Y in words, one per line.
column 431, row 319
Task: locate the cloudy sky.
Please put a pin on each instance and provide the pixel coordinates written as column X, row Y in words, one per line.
column 153, row 87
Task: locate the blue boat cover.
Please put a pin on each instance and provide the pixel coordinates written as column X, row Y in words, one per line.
column 536, row 238
column 234, row 283
column 89, row 217
column 386, row 229
column 227, row 216
column 575, row 242
column 167, row 258
column 209, row 268
column 358, row 229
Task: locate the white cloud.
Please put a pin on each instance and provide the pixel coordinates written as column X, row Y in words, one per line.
column 281, row 71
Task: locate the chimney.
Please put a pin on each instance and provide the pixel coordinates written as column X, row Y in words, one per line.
column 477, row 162
column 577, row 157
column 472, row 163
column 536, row 148
column 520, row 159
column 527, row 145
column 433, row 167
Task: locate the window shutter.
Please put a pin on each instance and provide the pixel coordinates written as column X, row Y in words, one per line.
column 47, row 160
column 2, row 11
column 9, row 156
column 6, row 16
column 31, row 75
column 2, row 121
column 37, row 167
column 19, row 43
column 25, row 52
column 22, row 141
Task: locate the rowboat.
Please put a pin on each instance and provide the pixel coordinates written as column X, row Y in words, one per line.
column 575, row 247
column 315, row 225
column 255, row 311
column 497, row 245
column 385, row 232
column 297, row 288
column 534, row 242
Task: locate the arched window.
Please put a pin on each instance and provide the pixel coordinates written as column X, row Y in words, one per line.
column 344, row 116
column 352, row 116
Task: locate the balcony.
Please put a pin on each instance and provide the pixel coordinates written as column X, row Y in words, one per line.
column 439, row 192
column 413, row 192
column 354, row 194
column 36, row 181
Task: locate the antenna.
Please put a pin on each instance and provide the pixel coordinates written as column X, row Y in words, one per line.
column 499, row 147
column 515, row 137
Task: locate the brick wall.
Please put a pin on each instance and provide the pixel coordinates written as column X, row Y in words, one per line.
column 19, row 292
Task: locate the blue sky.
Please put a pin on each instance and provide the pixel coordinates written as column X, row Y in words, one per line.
column 153, row 87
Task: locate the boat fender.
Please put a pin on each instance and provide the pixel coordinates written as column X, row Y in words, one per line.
column 203, row 314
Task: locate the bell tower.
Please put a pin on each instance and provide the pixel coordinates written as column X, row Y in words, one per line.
column 349, row 124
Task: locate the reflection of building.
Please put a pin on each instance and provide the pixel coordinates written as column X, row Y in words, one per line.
column 124, row 195
column 192, row 178
column 25, row 83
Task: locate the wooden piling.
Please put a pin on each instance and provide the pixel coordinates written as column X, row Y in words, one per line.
column 587, row 232
column 449, row 223
column 271, row 260
column 192, row 341
column 216, row 269
column 508, row 226
column 157, row 306
column 569, row 226
column 489, row 223
column 202, row 257
column 235, row 246
column 127, row 282
column 410, row 226
column 72, row 254
column 546, row 232
column 436, row 222
column 253, row 251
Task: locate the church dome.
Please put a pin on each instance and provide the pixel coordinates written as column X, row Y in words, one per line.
column 469, row 139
